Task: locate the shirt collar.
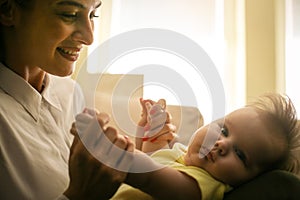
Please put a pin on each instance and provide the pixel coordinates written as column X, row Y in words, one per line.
column 49, row 93
column 15, row 86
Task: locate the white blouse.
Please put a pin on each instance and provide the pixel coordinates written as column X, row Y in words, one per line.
column 34, row 135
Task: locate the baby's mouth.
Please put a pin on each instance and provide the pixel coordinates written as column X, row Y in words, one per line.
column 210, row 157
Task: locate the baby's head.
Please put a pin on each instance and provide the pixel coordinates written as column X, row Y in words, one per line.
column 280, row 116
column 254, row 139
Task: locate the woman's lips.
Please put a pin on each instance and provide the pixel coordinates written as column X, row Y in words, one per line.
column 69, row 54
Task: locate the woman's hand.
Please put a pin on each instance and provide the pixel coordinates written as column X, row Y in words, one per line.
column 93, row 142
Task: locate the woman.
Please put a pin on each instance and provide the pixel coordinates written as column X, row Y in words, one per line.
column 40, row 42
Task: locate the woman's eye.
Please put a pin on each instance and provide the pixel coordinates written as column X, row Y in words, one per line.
column 224, row 131
column 93, row 15
column 69, row 16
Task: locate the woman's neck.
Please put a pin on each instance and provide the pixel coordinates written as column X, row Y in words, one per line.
column 33, row 75
column 36, row 79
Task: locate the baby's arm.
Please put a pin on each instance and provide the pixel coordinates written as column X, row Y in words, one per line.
column 165, row 183
column 159, row 181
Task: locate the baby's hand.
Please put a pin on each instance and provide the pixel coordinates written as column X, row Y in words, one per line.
column 144, row 115
column 156, row 119
column 155, row 129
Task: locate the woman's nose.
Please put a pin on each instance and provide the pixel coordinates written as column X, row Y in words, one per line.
column 84, row 32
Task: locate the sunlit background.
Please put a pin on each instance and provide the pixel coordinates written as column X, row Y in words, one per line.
column 254, row 44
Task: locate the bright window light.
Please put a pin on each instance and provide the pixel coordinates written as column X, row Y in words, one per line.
column 200, row 20
column 292, row 51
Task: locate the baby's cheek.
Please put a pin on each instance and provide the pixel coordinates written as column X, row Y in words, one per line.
column 232, row 173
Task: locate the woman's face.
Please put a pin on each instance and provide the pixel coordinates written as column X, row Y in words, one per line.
column 242, row 148
column 51, row 34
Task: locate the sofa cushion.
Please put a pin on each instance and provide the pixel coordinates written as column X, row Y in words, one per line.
column 276, row 184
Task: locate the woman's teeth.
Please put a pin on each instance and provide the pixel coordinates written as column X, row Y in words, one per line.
column 73, row 53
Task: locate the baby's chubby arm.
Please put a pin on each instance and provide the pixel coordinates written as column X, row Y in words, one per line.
column 164, row 183
column 159, row 181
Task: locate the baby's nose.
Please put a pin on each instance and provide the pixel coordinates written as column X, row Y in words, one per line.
column 222, row 146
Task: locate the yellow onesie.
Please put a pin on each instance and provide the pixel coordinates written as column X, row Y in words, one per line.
column 210, row 188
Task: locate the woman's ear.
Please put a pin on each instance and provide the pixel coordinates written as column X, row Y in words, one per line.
column 7, row 8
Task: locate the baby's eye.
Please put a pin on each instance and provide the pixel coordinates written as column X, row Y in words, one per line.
column 224, row 131
column 241, row 156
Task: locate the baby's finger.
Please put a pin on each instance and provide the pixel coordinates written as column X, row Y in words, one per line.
column 162, row 102
column 142, row 103
column 169, row 128
column 159, row 118
column 156, row 124
column 83, row 117
column 91, row 111
column 111, row 134
column 169, row 117
column 155, row 110
column 103, row 119
column 148, row 107
column 130, row 145
column 81, row 127
column 150, row 101
column 168, row 136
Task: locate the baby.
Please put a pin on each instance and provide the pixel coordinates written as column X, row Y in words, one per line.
column 252, row 140
column 257, row 138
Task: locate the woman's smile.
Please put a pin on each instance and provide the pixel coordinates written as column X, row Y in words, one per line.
column 70, row 54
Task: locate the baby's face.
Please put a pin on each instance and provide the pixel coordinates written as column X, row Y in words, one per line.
column 244, row 143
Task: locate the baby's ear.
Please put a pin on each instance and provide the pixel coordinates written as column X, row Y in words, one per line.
column 163, row 103
column 7, row 12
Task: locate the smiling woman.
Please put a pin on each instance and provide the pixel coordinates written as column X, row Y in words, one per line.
column 68, row 25
column 40, row 40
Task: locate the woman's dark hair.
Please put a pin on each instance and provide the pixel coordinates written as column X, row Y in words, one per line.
column 24, row 3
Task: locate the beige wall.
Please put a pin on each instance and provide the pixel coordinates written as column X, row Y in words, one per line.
column 264, row 26
column 264, row 44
